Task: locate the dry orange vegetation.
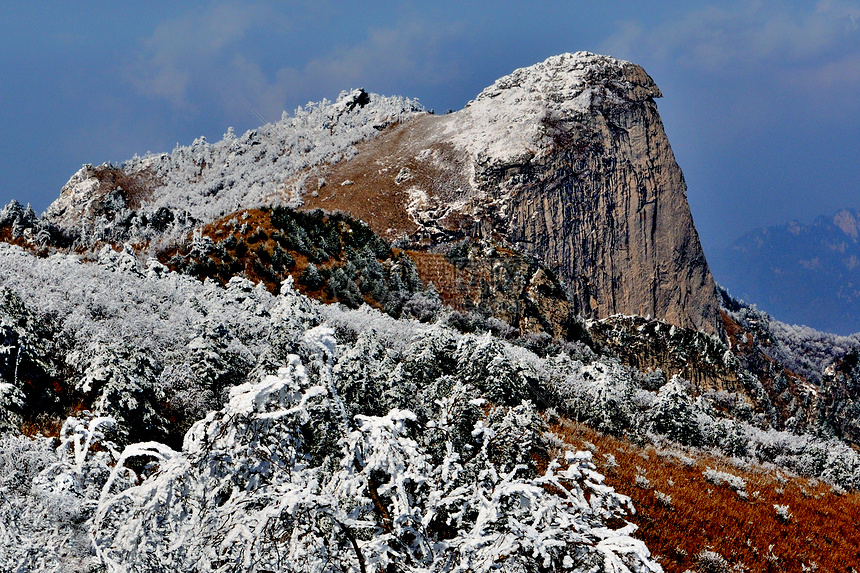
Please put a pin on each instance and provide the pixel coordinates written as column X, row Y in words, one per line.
column 256, row 220
column 252, row 245
column 821, row 534
column 42, row 426
column 457, row 284
column 378, row 188
column 453, row 284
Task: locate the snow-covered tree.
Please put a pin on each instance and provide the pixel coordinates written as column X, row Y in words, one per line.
column 245, row 494
column 673, row 415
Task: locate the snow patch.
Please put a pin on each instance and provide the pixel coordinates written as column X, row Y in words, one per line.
column 508, row 122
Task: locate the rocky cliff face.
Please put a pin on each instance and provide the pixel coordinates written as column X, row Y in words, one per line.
column 604, row 200
column 566, row 160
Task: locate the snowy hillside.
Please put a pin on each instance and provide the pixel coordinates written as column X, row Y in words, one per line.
column 146, row 196
column 299, row 461
column 335, row 432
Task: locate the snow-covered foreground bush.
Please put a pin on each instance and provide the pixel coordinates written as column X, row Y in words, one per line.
column 381, row 425
column 49, row 494
column 283, row 478
column 383, row 441
column 456, row 492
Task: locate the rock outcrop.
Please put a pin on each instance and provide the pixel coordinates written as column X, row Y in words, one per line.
column 566, row 160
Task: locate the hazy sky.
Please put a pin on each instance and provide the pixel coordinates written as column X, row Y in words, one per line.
column 761, row 99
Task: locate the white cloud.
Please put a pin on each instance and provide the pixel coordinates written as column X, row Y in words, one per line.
column 181, row 50
column 217, row 52
column 742, row 36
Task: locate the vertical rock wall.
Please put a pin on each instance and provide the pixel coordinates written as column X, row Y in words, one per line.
column 600, row 197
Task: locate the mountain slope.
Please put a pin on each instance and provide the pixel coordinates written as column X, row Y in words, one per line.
column 161, row 411
column 171, row 193
column 566, row 161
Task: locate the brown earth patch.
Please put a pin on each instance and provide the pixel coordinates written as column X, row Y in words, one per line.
column 820, row 535
column 387, row 173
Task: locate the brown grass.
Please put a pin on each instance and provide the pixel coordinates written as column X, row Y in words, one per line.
column 38, row 250
column 747, row 532
column 374, row 196
column 136, row 188
column 44, row 425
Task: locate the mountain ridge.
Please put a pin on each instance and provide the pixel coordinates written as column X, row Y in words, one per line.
column 344, row 342
column 803, row 273
column 566, row 160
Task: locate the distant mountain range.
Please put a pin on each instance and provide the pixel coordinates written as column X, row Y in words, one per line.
column 803, row 274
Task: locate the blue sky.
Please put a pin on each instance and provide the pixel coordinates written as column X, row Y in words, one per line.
column 761, row 99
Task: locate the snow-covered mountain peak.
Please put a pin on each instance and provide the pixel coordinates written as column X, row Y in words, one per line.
column 570, row 81
column 513, row 119
column 204, row 181
column 566, row 159
column 76, row 194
